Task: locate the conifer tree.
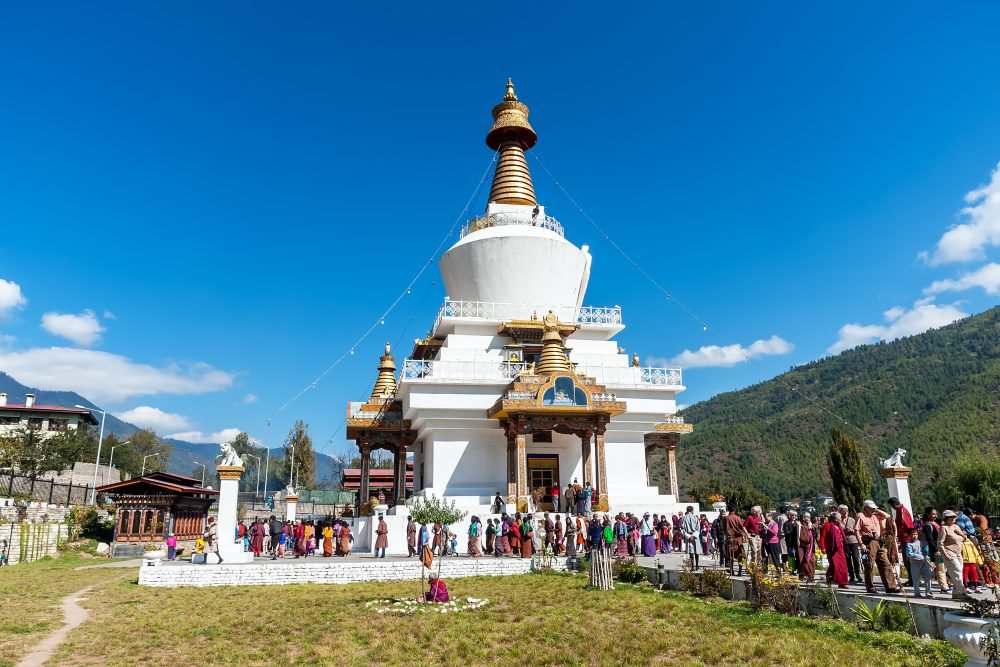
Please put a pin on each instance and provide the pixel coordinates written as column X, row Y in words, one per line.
column 304, row 458
column 848, row 474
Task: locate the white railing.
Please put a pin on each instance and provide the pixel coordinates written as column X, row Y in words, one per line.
column 480, row 370
column 632, row 376
column 510, row 218
column 501, row 312
column 673, row 419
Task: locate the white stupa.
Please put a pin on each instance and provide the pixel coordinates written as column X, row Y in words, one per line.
column 519, row 385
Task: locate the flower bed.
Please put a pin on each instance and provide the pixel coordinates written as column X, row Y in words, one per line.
column 409, row 606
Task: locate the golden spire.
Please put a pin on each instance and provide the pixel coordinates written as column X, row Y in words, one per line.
column 553, row 358
column 511, row 135
column 385, row 384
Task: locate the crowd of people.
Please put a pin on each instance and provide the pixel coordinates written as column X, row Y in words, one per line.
column 299, row 538
column 955, row 549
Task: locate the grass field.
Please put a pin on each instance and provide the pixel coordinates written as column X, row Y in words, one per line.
column 532, row 620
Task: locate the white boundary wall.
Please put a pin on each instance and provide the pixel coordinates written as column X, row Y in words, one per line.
column 330, row 571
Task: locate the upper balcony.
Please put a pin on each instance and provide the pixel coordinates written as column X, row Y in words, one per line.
column 606, row 317
column 487, row 371
column 526, row 218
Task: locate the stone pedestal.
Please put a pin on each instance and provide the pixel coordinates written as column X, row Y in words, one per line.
column 291, row 503
column 229, row 487
column 898, row 480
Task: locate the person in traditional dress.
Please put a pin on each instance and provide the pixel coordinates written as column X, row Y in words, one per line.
column 527, row 533
column 621, row 535
column 581, row 534
column 807, row 549
column 299, row 533
column 558, row 540
column 411, row 536
column 595, row 533
column 570, row 537
column 382, row 537
column 646, row 533
column 719, row 537
column 327, row 540
column 734, row 540
column 678, row 539
column 438, row 543
column 664, row 545
column 634, row 538
column 705, row 535
column 491, row 538
column 836, row 552
column 438, row 590
column 473, row 546
column 690, row 529
column 344, row 540
column 550, row 531
column 211, row 536
column 514, row 535
column 498, row 504
column 581, row 500
column 569, row 499
column 257, row 531
column 424, row 536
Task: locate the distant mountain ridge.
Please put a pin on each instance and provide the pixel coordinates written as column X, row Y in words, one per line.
column 930, row 394
column 184, row 458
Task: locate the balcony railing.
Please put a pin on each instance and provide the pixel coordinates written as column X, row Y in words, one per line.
column 480, row 370
column 503, row 312
column 510, row 218
column 501, row 372
column 632, row 376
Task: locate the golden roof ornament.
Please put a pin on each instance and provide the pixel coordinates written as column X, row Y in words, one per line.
column 553, row 358
column 385, row 383
column 511, row 135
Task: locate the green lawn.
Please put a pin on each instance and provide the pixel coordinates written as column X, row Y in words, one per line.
column 532, row 620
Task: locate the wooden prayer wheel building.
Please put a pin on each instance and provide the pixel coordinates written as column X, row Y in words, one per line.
column 152, row 506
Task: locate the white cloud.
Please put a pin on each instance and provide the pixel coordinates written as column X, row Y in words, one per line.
column 147, row 416
column 712, row 356
column 103, row 376
column 900, row 322
column 250, row 398
column 987, row 277
column 11, row 298
column 225, row 435
column 82, row 329
column 108, row 315
column 966, row 241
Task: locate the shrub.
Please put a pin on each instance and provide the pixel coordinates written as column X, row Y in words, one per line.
column 709, row 583
column 896, row 618
column 628, row 571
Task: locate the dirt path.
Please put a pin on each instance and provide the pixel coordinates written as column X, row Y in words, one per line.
column 73, row 615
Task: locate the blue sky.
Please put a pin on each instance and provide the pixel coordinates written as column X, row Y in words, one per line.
column 204, row 207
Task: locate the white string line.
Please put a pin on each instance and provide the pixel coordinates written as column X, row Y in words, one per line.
column 381, row 319
column 670, row 297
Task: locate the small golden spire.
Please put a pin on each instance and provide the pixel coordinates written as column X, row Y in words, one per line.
column 553, row 358
column 511, row 135
column 385, row 383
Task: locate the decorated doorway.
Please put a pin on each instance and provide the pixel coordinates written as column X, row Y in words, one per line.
column 543, row 474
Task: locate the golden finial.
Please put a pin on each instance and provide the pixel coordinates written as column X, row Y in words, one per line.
column 385, row 383
column 511, row 135
column 510, row 96
column 635, row 360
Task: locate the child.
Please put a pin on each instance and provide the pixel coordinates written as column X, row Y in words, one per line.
column 453, row 550
column 282, row 542
column 971, row 558
column 199, row 550
column 311, row 545
column 171, row 546
column 920, row 567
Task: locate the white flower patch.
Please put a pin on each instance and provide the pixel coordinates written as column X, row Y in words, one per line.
column 408, row 607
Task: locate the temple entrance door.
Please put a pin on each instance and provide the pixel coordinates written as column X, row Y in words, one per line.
column 543, row 473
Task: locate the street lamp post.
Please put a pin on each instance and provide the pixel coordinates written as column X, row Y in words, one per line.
column 100, row 441
column 267, row 462
column 112, row 458
column 147, row 456
column 257, row 492
column 202, row 472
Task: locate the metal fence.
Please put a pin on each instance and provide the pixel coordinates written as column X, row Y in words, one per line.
column 14, row 485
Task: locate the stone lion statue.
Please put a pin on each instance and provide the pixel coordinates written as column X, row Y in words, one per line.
column 229, row 456
column 896, row 460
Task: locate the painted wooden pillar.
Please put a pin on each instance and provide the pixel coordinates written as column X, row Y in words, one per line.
column 602, row 473
column 670, row 451
column 588, row 475
column 520, row 442
column 364, row 448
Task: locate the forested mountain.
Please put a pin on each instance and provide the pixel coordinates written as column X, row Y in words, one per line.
column 930, row 394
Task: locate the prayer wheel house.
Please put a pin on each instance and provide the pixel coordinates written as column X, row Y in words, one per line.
column 519, row 386
column 150, row 507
